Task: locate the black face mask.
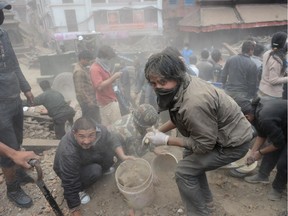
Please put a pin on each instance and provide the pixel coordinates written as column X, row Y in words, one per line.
column 1, row 17
column 165, row 97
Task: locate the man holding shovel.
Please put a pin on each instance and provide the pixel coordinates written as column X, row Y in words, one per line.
column 12, row 82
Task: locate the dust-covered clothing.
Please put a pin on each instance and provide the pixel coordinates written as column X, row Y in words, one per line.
column 85, row 93
column 271, row 123
column 272, row 79
column 71, row 159
column 12, row 82
column 99, row 75
column 58, row 109
column 129, row 136
column 217, row 120
column 106, row 97
column 239, row 76
column 205, row 68
column 215, row 133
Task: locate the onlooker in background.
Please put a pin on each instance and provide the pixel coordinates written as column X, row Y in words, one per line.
column 214, row 130
column 102, row 81
column 85, row 93
column 83, row 156
column 257, row 59
column 205, row 66
column 270, row 120
column 132, row 128
column 12, row 82
column 239, row 75
column 186, row 53
column 274, row 68
column 216, row 58
column 192, row 66
column 58, row 109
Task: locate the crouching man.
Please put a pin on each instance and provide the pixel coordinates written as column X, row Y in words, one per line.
column 84, row 154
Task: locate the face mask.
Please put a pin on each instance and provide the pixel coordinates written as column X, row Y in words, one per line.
column 165, row 97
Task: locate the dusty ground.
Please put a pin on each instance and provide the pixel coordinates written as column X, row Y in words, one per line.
column 233, row 197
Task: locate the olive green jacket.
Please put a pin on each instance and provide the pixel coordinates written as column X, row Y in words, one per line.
column 206, row 116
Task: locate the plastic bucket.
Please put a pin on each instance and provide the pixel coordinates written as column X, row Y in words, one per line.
column 134, row 180
column 164, row 163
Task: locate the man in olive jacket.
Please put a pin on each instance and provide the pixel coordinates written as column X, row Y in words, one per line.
column 215, row 132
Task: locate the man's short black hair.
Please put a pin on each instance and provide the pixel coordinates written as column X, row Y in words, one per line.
column 247, row 46
column 83, row 123
column 85, row 54
column 106, row 52
column 205, row 54
column 44, row 84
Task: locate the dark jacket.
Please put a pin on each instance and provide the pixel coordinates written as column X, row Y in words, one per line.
column 12, row 80
column 55, row 103
column 271, row 121
column 240, row 75
column 70, row 157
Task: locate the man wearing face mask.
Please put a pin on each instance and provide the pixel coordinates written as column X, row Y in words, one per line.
column 214, row 130
column 83, row 156
column 12, row 83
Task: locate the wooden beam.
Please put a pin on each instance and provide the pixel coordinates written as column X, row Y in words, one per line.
column 39, row 144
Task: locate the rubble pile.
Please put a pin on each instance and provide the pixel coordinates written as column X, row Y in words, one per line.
column 36, row 129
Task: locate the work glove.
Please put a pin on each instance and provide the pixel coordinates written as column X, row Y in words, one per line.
column 155, row 138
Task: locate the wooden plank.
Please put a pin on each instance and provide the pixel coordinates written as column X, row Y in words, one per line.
column 39, row 144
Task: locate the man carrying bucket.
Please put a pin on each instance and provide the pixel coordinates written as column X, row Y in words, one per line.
column 215, row 131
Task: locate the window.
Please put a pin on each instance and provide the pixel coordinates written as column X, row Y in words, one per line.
column 98, row 1
column 113, row 17
column 100, row 17
column 138, row 16
column 172, row 2
column 126, row 16
column 71, row 20
column 150, row 15
column 189, row 2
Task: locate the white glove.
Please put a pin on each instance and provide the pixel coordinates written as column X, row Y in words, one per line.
column 156, row 138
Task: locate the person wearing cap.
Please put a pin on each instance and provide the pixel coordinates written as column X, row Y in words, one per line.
column 269, row 117
column 102, row 81
column 214, row 130
column 83, row 156
column 274, row 70
column 132, row 128
column 12, row 82
column 239, row 75
column 85, row 93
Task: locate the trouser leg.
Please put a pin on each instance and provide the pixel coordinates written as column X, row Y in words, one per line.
column 191, row 170
column 90, row 174
column 268, row 163
column 192, row 196
column 280, row 180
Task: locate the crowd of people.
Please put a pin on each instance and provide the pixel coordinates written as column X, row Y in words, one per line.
column 215, row 124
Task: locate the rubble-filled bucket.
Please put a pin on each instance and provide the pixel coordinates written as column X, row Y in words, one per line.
column 134, row 180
